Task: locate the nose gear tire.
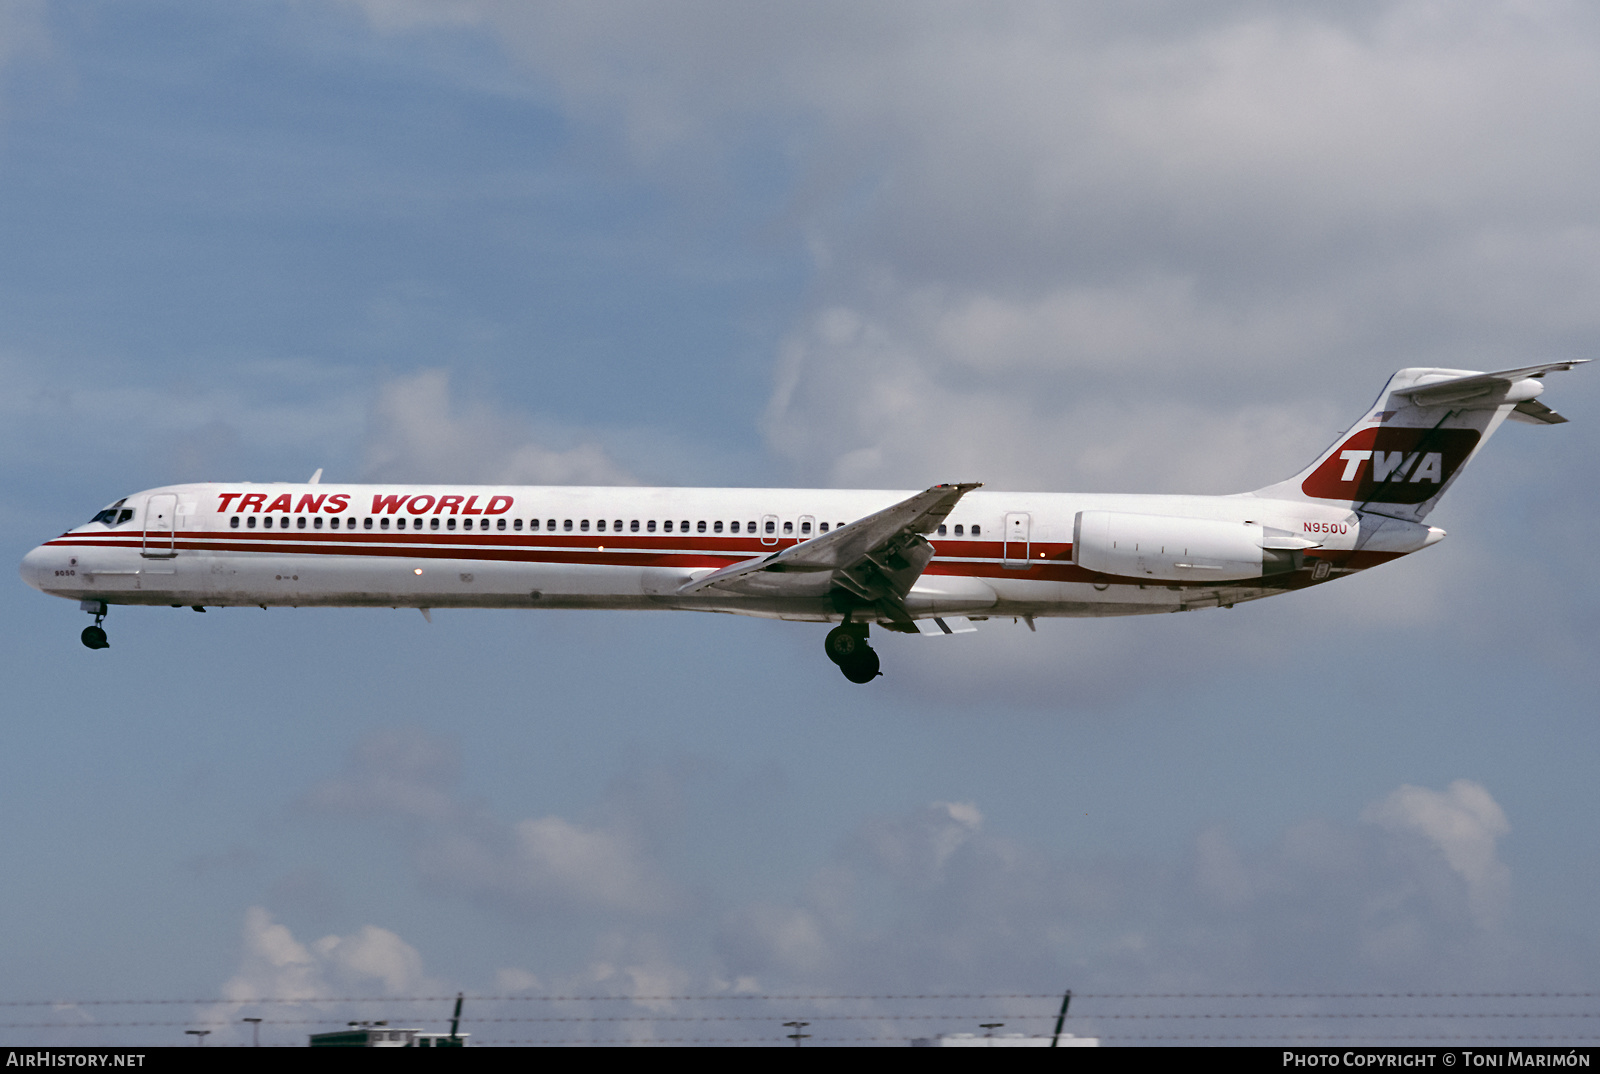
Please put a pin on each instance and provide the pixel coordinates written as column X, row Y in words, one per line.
column 862, row 667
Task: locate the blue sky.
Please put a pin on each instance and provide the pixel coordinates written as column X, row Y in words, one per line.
column 1102, row 247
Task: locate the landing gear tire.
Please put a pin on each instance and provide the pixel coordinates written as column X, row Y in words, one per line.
column 844, row 644
column 95, row 638
column 862, row 667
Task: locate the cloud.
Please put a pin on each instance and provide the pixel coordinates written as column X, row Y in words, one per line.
column 529, row 867
column 420, row 433
column 933, row 895
column 1154, row 248
column 277, row 966
column 281, row 977
column 1463, row 823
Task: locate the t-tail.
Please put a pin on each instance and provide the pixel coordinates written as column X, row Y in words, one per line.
column 1398, row 460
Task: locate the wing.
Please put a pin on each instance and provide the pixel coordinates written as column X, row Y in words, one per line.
column 876, row 559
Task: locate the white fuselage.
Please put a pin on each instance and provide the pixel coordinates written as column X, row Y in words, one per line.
column 998, row 553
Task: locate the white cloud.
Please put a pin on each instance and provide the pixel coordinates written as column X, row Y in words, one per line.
column 1154, row 248
column 314, row 981
column 420, row 433
column 275, row 965
column 1464, row 823
column 374, row 954
column 1149, row 248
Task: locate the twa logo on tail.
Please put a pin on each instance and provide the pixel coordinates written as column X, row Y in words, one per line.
column 1391, row 465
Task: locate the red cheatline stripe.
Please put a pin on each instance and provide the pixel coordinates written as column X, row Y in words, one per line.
column 552, row 549
column 438, row 546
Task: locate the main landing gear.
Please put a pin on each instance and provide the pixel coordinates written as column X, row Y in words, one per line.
column 847, row 646
column 95, row 636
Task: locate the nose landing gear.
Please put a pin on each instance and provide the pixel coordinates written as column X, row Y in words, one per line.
column 846, row 645
column 95, row 636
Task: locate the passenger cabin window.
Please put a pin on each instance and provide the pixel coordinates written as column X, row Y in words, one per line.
column 383, row 523
column 617, row 526
column 250, row 523
column 533, row 525
column 584, row 526
column 566, row 524
column 700, row 527
column 316, row 523
column 650, row 527
column 233, row 522
column 600, row 525
column 300, row 523
column 772, row 527
column 733, row 527
column 822, row 526
column 450, row 523
column 516, row 524
column 805, row 529
column 941, row 529
column 666, row 527
column 788, row 528
column 749, row 527
column 633, row 527
column 366, row 523
column 550, row 525
column 976, row 529
column 433, row 523
column 685, row 526
column 716, row 527
column 500, row 524
column 958, row 529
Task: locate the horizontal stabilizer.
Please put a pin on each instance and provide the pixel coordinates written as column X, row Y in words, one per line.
column 1489, row 389
column 1535, row 413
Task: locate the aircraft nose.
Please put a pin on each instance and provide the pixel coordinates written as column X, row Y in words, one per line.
column 39, row 565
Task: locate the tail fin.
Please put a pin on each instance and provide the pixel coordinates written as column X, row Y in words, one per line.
column 1426, row 426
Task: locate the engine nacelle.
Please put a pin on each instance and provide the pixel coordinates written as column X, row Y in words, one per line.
column 1166, row 549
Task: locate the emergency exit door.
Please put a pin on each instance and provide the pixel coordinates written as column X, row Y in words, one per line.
column 1016, row 541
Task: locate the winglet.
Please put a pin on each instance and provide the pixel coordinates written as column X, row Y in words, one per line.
column 316, row 478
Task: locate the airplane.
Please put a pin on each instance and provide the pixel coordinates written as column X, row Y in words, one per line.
column 931, row 562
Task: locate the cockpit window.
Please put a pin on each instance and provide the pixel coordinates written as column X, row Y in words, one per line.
column 114, row 515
